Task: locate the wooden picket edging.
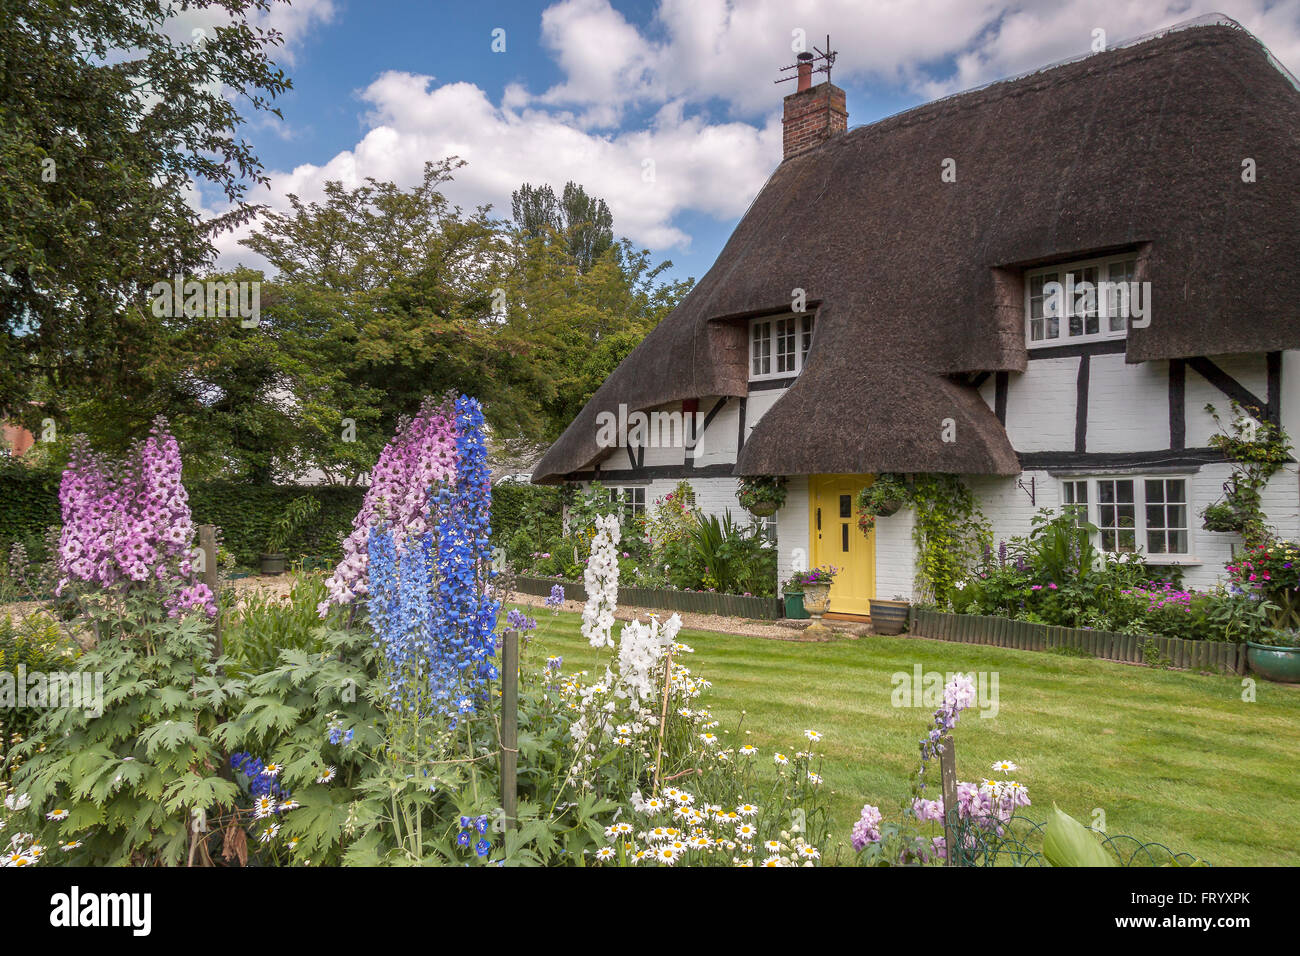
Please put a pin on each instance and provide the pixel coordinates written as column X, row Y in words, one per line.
column 700, row 602
column 1107, row 645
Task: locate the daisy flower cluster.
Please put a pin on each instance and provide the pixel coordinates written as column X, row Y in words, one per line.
column 270, row 800
column 25, row 849
column 679, row 828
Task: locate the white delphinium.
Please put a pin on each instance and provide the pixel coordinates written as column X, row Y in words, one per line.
column 601, row 580
column 640, row 649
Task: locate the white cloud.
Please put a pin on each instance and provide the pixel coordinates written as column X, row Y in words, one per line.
column 707, row 49
column 715, row 168
column 695, row 56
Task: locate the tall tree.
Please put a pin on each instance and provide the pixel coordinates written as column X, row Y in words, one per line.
column 581, row 225
column 109, row 122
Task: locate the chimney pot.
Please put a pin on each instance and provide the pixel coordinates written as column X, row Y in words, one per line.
column 805, row 71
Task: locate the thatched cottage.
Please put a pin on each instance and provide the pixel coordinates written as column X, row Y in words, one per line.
column 886, row 305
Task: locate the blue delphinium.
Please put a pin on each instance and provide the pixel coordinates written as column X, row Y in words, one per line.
column 429, row 603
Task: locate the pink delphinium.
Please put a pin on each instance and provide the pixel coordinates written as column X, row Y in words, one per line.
column 422, row 454
column 130, row 524
column 867, row 828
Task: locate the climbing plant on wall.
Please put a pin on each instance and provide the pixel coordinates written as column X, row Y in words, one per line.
column 951, row 534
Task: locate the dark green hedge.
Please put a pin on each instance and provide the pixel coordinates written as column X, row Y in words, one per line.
column 244, row 513
column 534, row 508
column 29, row 502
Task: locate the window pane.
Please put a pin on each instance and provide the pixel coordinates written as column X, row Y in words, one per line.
column 1155, row 491
column 846, row 506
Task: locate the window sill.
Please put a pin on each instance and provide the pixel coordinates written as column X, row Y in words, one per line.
column 1174, row 560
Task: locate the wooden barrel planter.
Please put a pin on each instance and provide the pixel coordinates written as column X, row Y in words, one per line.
column 889, row 617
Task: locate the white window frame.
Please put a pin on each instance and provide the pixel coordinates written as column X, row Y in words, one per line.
column 625, row 497
column 1092, row 509
column 1112, row 321
column 768, row 332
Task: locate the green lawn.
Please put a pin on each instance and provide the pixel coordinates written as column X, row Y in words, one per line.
column 1171, row 757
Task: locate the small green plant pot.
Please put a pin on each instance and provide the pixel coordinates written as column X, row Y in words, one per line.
column 1279, row 664
column 272, row 563
column 794, row 606
column 888, row 617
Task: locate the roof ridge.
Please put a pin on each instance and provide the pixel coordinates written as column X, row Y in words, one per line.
column 1205, row 20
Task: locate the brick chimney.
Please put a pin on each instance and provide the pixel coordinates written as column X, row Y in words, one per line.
column 813, row 114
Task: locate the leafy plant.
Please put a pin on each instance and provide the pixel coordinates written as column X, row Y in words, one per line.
column 1259, row 448
column 298, row 511
column 126, row 783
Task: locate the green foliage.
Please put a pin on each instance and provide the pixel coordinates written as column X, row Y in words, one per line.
column 533, row 510
column 760, row 490
column 260, row 626
column 951, row 534
column 1259, row 449
column 732, row 558
column 132, row 776
column 111, row 122
column 1068, row 842
column 248, row 514
column 289, row 520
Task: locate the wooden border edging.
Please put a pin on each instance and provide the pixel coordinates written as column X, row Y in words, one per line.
column 1104, row 645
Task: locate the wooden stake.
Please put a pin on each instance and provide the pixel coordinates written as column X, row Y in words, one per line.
column 948, row 779
column 510, row 726
column 663, row 719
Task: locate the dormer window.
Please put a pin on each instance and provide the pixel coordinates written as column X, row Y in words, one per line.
column 1085, row 301
column 778, row 347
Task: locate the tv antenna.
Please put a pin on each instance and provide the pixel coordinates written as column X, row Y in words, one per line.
column 824, row 58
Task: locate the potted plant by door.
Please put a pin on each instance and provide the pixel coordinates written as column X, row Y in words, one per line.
column 889, row 617
column 761, row 495
column 816, row 586
column 273, row 560
column 792, row 594
column 1275, row 656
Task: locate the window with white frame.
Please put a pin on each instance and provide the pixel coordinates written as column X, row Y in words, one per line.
column 1132, row 513
column 778, row 347
column 633, row 499
column 1083, row 301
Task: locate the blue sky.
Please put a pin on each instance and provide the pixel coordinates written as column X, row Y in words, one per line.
column 594, row 90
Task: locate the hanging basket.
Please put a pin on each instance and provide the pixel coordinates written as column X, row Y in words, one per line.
column 763, row 509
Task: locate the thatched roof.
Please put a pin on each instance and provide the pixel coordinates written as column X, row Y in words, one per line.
column 1140, row 147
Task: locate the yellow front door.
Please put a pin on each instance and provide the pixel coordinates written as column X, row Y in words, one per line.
column 837, row 540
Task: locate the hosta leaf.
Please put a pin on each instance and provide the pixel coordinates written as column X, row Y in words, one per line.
column 1069, row 843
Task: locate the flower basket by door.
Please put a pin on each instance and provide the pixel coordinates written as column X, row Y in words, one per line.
column 763, row 509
